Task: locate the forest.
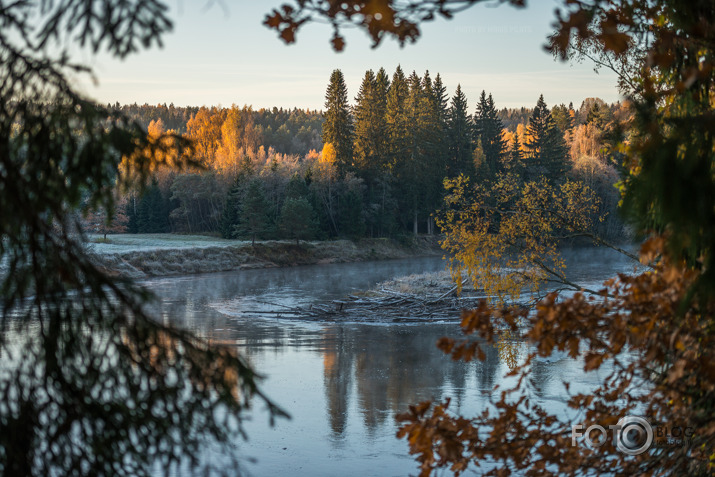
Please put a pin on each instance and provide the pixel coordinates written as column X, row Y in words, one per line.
column 375, row 167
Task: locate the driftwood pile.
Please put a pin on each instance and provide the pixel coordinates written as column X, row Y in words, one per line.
column 388, row 303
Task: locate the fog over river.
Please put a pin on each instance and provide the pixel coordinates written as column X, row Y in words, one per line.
column 343, row 383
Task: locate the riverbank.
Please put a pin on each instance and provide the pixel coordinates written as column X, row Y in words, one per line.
column 142, row 256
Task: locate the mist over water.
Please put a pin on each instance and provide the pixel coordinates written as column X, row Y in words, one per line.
column 343, row 383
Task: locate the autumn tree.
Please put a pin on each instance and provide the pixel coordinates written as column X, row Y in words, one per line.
column 204, row 129
column 505, row 235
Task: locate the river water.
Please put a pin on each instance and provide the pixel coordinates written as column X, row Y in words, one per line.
column 343, row 383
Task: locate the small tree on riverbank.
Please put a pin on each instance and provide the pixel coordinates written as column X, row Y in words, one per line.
column 255, row 218
column 298, row 219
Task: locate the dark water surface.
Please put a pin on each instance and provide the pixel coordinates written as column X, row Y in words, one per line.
column 343, row 383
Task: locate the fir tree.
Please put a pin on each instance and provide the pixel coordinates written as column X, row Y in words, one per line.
column 410, row 168
column 231, row 214
column 255, row 218
column 297, row 187
column 441, row 98
column 562, row 117
column 433, row 147
column 516, row 157
column 152, row 211
column 488, row 130
column 369, row 130
column 298, row 220
column 396, row 117
column 338, row 127
column 459, row 137
column 352, row 220
column 546, row 151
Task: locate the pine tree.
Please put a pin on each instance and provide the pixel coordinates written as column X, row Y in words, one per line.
column 546, row 151
column 338, row 127
column 488, row 130
column 459, row 134
column 382, row 82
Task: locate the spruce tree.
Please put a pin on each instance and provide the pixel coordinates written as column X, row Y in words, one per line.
column 298, row 220
column 369, row 130
column 351, row 213
column 396, row 117
column 459, row 137
column 152, row 211
column 411, row 165
column 231, row 214
column 488, row 130
column 382, row 82
column 380, row 203
column 433, row 147
column 441, row 98
column 338, row 127
column 562, row 117
column 516, row 157
column 546, row 151
column 255, row 218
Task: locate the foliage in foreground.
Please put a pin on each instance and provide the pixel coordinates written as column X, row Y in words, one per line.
column 90, row 384
column 506, row 235
column 658, row 360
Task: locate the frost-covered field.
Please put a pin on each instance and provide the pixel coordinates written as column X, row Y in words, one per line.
column 122, row 243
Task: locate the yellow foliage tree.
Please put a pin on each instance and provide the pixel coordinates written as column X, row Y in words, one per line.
column 505, row 236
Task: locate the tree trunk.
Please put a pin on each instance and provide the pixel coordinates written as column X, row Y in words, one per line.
column 414, row 224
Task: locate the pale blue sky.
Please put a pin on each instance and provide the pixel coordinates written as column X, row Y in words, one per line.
column 219, row 57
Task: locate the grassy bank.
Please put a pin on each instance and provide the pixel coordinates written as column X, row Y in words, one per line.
column 141, row 256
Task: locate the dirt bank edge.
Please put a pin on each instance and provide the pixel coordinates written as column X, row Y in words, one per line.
column 187, row 261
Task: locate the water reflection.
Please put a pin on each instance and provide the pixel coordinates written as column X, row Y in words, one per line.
column 343, row 383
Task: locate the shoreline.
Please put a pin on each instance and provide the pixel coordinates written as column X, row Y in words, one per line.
column 212, row 256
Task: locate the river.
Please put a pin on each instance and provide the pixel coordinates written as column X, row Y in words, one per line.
column 343, row 383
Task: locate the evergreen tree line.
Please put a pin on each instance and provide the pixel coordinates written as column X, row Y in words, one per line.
column 403, row 136
column 382, row 165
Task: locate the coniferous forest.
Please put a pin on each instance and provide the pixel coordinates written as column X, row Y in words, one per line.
column 368, row 165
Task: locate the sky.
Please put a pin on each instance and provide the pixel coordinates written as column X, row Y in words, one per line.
column 223, row 55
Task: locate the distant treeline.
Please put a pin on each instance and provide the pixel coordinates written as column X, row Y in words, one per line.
column 373, row 167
